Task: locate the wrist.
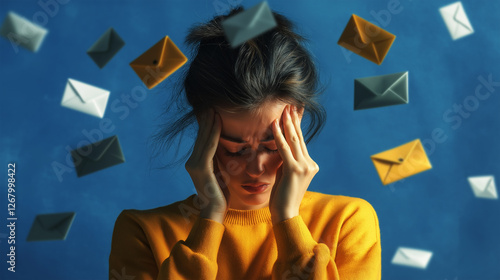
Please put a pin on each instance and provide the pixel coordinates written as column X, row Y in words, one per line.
column 208, row 213
column 279, row 216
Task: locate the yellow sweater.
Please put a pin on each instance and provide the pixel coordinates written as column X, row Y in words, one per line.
column 333, row 237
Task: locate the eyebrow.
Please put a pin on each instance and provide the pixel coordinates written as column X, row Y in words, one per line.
column 241, row 141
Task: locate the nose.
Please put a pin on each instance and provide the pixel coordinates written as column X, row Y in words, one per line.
column 255, row 164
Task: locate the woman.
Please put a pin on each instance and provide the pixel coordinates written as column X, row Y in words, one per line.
column 252, row 216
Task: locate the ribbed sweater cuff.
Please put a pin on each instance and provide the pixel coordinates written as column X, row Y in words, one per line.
column 205, row 237
column 293, row 239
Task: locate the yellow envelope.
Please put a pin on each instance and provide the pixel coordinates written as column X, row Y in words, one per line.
column 366, row 39
column 401, row 162
column 158, row 62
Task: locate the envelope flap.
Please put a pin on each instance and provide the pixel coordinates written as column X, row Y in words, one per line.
column 370, row 32
column 100, row 148
column 400, row 83
column 361, row 25
column 349, row 32
column 53, row 221
column 172, row 54
column 460, row 17
column 102, row 44
column 399, row 154
column 86, row 92
column 246, row 19
column 153, row 56
column 258, row 14
column 380, row 84
column 248, row 24
column 480, row 182
column 415, row 255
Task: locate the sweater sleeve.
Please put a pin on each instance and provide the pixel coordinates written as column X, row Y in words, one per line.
column 358, row 254
column 194, row 258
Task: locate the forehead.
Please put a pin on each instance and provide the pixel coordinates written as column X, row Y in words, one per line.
column 247, row 126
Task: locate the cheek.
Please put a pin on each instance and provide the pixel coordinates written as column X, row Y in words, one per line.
column 275, row 162
column 231, row 165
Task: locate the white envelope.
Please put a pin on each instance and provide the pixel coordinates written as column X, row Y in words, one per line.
column 85, row 98
column 20, row 31
column 483, row 186
column 412, row 257
column 456, row 20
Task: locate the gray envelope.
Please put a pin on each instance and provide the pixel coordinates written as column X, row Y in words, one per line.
column 97, row 156
column 51, row 226
column 20, row 31
column 103, row 50
column 248, row 24
column 380, row 91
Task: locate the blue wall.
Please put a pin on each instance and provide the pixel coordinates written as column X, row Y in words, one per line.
column 434, row 210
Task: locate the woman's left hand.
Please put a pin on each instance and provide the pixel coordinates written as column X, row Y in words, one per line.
column 297, row 171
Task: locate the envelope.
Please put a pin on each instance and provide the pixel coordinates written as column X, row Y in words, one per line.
column 366, row 39
column 103, row 50
column 401, row 162
column 248, row 24
column 412, row 257
column 85, row 98
column 97, row 156
column 158, row 62
column 379, row 91
column 483, row 186
column 51, row 226
column 456, row 20
column 20, row 31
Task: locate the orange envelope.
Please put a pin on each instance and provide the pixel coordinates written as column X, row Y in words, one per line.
column 158, row 62
column 401, row 162
column 366, row 39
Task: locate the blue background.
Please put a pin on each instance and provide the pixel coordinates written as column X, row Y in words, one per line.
column 434, row 210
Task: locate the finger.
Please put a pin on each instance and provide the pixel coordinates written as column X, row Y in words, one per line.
column 296, row 122
column 283, row 148
column 204, row 129
column 213, row 140
column 291, row 135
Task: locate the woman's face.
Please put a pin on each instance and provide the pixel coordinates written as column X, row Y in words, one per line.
column 248, row 153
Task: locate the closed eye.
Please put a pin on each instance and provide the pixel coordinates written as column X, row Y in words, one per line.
column 243, row 151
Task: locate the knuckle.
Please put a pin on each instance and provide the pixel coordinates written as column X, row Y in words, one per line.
column 296, row 169
column 313, row 167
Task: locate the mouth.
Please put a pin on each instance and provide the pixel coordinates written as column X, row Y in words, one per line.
column 255, row 189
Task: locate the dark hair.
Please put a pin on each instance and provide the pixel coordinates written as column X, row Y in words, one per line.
column 272, row 66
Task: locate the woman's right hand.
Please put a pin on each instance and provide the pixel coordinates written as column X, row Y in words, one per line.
column 203, row 167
